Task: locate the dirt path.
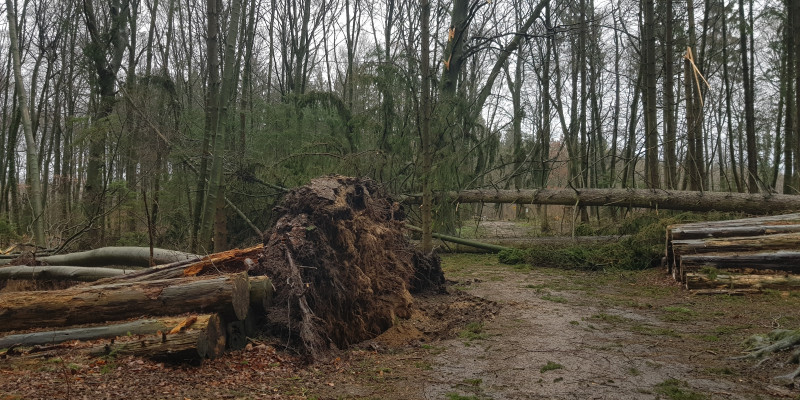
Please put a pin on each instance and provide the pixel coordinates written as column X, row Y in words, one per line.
column 571, row 335
column 501, row 333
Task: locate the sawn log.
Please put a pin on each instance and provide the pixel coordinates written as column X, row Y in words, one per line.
column 227, row 294
column 203, row 338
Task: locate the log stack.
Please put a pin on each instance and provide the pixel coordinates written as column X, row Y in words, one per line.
column 190, row 308
column 736, row 256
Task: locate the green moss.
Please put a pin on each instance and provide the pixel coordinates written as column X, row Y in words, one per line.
column 550, row 366
column 456, row 396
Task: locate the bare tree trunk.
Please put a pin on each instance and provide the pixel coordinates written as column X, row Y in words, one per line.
column 216, row 192
column 106, row 49
column 31, row 152
column 425, row 128
column 749, row 107
column 789, row 151
column 650, row 97
column 728, row 109
column 670, row 137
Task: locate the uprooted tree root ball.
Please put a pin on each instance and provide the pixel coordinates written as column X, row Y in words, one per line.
column 341, row 266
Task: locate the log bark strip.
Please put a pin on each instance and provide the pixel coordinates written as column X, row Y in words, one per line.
column 139, row 327
column 756, row 204
column 59, row 273
column 229, row 294
column 206, row 338
column 784, row 260
column 696, row 281
column 783, row 241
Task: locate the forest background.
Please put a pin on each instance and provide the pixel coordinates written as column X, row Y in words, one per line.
column 177, row 123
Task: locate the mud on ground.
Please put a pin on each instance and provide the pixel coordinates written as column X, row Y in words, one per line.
column 502, row 333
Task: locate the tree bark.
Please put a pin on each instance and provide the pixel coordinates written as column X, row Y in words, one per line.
column 79, row 305
column 660, row 199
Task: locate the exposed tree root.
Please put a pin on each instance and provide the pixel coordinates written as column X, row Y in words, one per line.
column 341, row 265
column 779, row 340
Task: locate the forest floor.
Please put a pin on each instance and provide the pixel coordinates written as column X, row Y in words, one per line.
column 502, row 332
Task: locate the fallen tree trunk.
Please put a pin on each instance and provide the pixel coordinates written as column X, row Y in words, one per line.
column 104, row 256
column 756, row 204
column 203, row 338
column 524, row 243
column 229, row 294
column 139, row 327
column 59, row 273
column 696, row 281
column 465, row 242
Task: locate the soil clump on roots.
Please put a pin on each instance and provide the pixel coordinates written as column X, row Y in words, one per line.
column 342, row 268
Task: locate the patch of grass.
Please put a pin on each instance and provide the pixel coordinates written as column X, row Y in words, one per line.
column 550, row 366
column 456, row 396
column 675, row 313
column 634, row 372
column 709, row 338
column 554, row 299
column 473, row 331
column 574, row 323
column 678, row 390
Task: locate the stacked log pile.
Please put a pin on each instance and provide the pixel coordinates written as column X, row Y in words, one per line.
column 736, row 256
column 196, row 307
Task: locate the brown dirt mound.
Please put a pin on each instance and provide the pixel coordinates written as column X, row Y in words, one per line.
column 341, row 266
